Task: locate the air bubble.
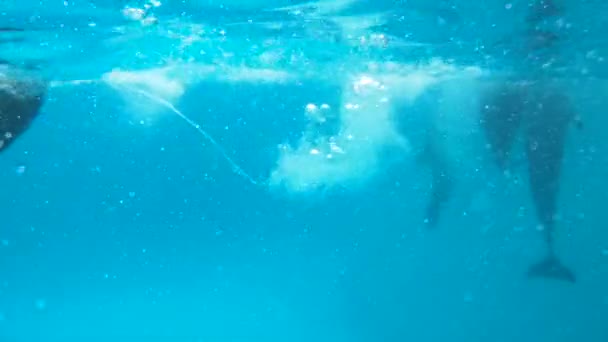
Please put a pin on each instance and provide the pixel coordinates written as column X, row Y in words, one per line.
column 20, row 170
column 311, row 107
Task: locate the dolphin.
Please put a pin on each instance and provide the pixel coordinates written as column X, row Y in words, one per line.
column 418, row 121
column 22, row 94
column 548, row 114
column 547, row 120
column 543, row 112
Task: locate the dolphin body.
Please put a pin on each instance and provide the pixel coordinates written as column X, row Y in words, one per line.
column 22, row 93
column 547, row 122
column 418, row 120
column 545, row 113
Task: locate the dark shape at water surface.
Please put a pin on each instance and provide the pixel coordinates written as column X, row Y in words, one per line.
column 22, row 94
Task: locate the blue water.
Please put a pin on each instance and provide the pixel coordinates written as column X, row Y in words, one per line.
column 121, row 222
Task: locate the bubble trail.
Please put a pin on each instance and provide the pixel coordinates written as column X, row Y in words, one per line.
column 236, row 168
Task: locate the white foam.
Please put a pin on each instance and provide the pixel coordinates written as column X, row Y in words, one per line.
column 352, row 155
column 253, row 75
column 155, row 82
column 367, row 127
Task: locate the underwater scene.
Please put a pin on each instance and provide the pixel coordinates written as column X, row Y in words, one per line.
column 290, row 170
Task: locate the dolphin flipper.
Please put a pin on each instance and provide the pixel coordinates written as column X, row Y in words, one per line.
column 551, row 267
column 441, row 186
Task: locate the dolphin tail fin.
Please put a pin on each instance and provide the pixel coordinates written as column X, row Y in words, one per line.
column 551, row 267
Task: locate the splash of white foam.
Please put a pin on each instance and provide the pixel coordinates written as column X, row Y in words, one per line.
column 367, row 127
column 350, row 156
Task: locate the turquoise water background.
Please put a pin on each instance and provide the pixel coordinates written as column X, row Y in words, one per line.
column 122, row 225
